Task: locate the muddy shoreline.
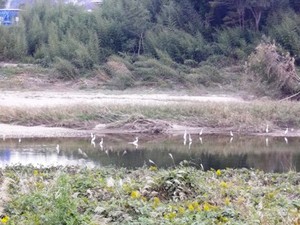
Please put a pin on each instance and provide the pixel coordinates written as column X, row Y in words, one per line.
column 17, row 131
column 38, row 114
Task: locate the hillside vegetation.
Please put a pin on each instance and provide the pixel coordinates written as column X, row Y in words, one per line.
column 163, row 43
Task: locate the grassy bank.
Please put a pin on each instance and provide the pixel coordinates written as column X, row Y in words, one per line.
column 151, row 195
column 242, row 117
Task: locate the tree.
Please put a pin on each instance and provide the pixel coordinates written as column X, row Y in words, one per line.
column 235, row 11
column 257, row 7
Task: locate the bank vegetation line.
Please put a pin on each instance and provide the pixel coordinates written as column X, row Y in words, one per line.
column 240, row 117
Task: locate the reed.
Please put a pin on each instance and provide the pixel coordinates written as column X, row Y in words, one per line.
column 243, row 116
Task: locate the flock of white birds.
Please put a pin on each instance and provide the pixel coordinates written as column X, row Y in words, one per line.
column 186, row 137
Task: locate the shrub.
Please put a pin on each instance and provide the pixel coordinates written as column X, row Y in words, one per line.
column 274, row 69
column 65, row 70
column 120, row 76
column 205, row 75
column 285, row 29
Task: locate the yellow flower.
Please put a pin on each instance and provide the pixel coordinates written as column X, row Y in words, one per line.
column 223, row 219
column 191, row 207
column 156, row 201
column 271, row 195
column 135, row 194
column 4, row 219
column 181, row 210
column 35, row 172
column 227, row 201
column 218, row 172
column 170, row 215
column 207, row 206
column 223, row 184
column 153, row 168
column 195, row 204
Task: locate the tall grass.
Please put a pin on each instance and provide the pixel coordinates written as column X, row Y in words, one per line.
column 243, row 116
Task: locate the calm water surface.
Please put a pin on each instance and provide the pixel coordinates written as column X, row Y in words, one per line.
column 218, row 152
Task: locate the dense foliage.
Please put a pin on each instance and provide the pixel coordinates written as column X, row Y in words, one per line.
column 174, row 32
column 151, row 195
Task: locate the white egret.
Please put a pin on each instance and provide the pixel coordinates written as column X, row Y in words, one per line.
column 231, row 134
column 20, row 140
column 93, row 140
column 82, row 153
column 57, row 149
column 150, row 161
column 267, row 128
column 286, row 140
column 124, row 153
column 202, row 167
column 135, row 142
column 170, row 154
column 201, row 131
column 286, row 131
column 184, row 136
column 200, row 138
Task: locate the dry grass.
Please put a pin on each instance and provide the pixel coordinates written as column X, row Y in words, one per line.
column 249, row 116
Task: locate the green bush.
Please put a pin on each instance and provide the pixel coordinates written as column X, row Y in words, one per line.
column 154, row 72
column 205, row 75
column 179, row 45
column 234, row 42
column 65, row 69
column 285, row 29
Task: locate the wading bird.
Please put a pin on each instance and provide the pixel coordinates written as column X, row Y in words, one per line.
column 201, row 131
column 82, row 153
column 101, row 144
column 135, row 142
column 57, row 149
column 150, row 161
column 200, row 138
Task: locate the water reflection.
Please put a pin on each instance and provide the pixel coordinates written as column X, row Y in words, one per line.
column 268, row 154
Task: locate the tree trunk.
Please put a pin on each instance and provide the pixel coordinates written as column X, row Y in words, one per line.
column 256, row 12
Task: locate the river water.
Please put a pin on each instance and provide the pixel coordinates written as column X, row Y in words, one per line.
column 269, row 154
